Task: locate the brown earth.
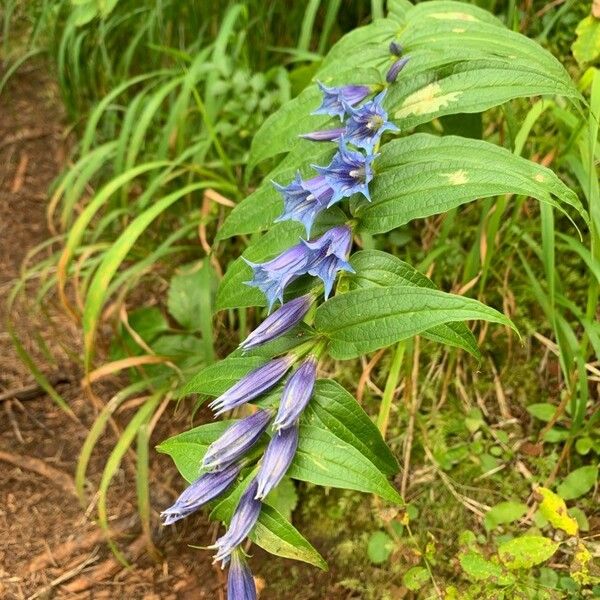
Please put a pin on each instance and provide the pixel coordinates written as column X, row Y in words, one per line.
column 50, row 546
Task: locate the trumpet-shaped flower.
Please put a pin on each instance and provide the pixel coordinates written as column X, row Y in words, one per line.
column 243, row 520
column 271, row 277
column 329, row 254
column 236, row 441
column 277, row 460
column 281, row 321
column 367, row 124
column 203, row 490
column 253, row 385
column 348, row 173
column 304, row 200
column 240, row 583
column 296, row 394
column 336, row 99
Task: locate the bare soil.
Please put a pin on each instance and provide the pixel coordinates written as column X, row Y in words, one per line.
column 50, row 546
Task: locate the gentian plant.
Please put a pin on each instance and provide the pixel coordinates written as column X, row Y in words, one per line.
column 352, row 169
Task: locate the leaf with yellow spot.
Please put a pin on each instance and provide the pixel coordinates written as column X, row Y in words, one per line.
column 427, row 100
column 553, row 507
column 582, row 567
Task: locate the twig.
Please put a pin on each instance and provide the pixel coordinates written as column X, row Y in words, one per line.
column 30, row 392
column 38, row 466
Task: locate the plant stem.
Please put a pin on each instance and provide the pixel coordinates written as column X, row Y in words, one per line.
column 390, row 387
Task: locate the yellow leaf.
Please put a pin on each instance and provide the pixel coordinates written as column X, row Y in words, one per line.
column 553, row 507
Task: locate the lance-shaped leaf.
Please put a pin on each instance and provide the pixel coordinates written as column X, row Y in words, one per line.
column 422, row 175
column 374, row 268
column 364, row 320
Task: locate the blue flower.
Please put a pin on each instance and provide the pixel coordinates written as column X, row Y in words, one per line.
column 304, row 200
column 236, row 441
column 336, row 99
column 253, row 385
column 348, row 173
column 272, row 276
column 367, row 124
column 242, row 522
column 398, row 65
column 276, row 461
column 325, row 135
column 296, row 394
column 203, row 490
column 329, row 254
column 240, row 583
column 279, row 322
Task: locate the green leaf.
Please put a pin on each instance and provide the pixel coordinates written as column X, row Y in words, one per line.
column 422, row 175
column 278, row 536
column 185, row 300
column 187, row 449
column 526, row 551
column 477, row 568
column 284, row 498
column 502, row 513
column 554, row 509
column 380, row 547
column 578, row 482
column 218, row 377
column 542, row 411
column 367, row 319
column 374, row 268
column 586, row 48
column 415, row 578
column 340, row 446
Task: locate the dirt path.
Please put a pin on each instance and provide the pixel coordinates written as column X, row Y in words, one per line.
column 48, row 546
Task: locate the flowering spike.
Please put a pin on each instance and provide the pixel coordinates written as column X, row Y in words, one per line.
column 279, row 322
column 367, row 124
column 335, row 99
column 277, row 460
column 304, row 200
column 396, row 49
column 272, row 276
column 348, row 173
column 327, row 135
column 203, row 490
column 240, row 583
column 392, row 74
column 253, row 385
column 296, row 394
column 243, row 520
column 236, row 441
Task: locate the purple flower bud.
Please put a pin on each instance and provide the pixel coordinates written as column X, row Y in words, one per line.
column 396, row 48
column 296, row 394
column 348, row 173
column 244, row 518
column 367, row 124
column 327, row 135
column 392, row 74
column 240, row 583
column 203, row 490
column 279, row 322
column 236, row 441
column 304, row 200
column 272, row 276
column 336, row 99
column 277, row 460
column 253, row 385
